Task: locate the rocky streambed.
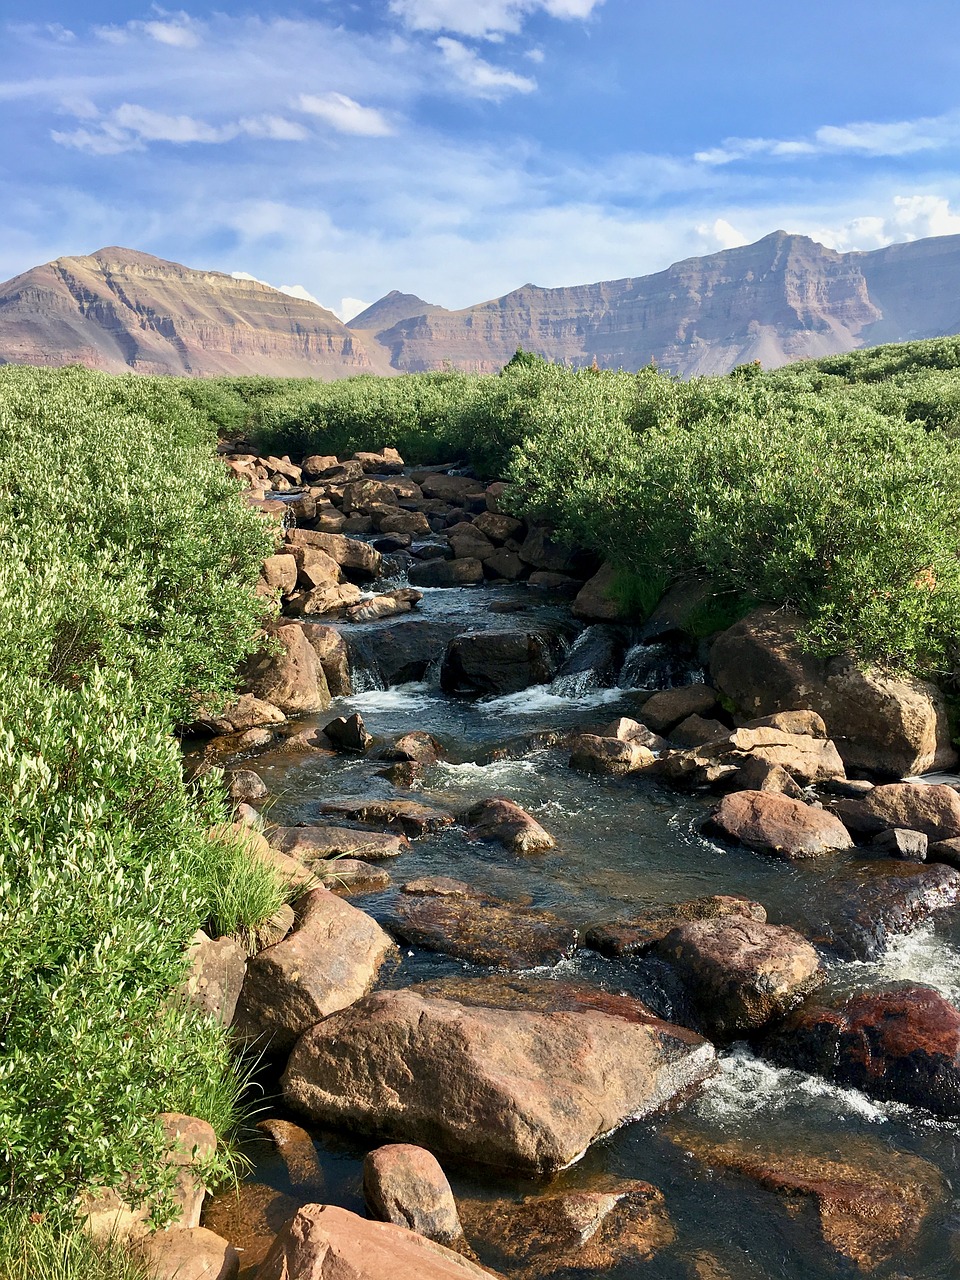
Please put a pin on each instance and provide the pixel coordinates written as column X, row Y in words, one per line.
column 619, row 951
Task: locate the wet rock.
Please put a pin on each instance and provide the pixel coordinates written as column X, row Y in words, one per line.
column 357, row 559
column 916, row 806
column 610, row 756
column 598, row 600
column 231, row 747
column 561, row 583
column 901, row 1045
column 384, row 606
column 666, row 709
column 740, row 972
column 498, row 662
column 468, row 541
column 446, row 573
column 886, row 726
column 246, row 787
column 636, row 934
column 418, row 746
column 773, row 823
column 456, row 919
column 191, row 1253
column 404, row 774
column 911, row 846
column 592, row 1231
column 324, row 1242
column 521, row 1089
column 403, row 651
column 404, row 1184
column 348, row 876
column 503, row 563
column 312, row 843
column 873, row 903
column 689, row 769
column 299, row 1154
column 348, row 733
column 542, row 552
column 392, row 542
column 695, row 731
column 331, row 650
column 866, row 1206
column 408, row 816
column 500, row 819
column 849, row 788
column 216, row 969
column 291, row 677
column 330, row 960
column 413, row 523
column 947, row 851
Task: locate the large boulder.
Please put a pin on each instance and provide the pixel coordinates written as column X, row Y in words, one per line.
column 498, row 662
column 287, row 672
column 188, row 1253
column 504, row 821
column 467, row 572
column 612, row 757
column 447, row 915
column 528, row 1089
column 635, row 935
column 912, row 806
column 312, row 843
column 599, row 600
column 805, row 758
column 331, row 649
column 774, row 823
column 325, row 1242
column 901, row 1045
column 404, row 1184
column 669, row 707
column 330, row 960
column 358, row 560
column 887, row 726
column 215, row 974
column 741, row 973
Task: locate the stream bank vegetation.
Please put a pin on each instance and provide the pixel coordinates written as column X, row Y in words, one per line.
column 126, row 592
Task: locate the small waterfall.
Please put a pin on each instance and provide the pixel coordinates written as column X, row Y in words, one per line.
column 365, row 673
column 592, row 663
column 659, row 666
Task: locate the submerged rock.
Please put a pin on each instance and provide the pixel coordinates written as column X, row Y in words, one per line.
column 299, row 1155
column 517, row 1088
column 502, row 820
column 310, row 843
column 411, row 818
column 611, row 757
column 774, row 823
column 349, row 733
column 635, row 935
column 404, row 1184
column 452, row 917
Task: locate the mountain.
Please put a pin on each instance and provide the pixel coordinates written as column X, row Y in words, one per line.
column 119, row 310
column 784, row 298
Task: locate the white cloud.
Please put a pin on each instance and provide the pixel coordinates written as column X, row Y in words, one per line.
column 721, row 235
column 129, row 126
column 911, row 217
column 345, row 115
column 181, row 34
column 866, row 138
column 274, row 128
column 484, row 19
column 298, row 291
column 479, row 77
column 156, row 126
column 350, row 308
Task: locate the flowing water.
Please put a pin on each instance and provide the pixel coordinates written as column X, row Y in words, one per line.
column 621, row 845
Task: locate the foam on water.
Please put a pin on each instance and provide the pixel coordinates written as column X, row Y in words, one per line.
column 497, row 772
column 747, row 1086
column 415, row 696
column 920, row 956
column 540, row 699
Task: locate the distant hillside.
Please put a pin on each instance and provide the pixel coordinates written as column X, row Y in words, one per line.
column 782, row 299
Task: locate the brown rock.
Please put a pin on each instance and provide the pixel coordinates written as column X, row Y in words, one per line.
column 192, row 1253
column 500, row 819
column 230, row 747
column 323, row 1242
column 311, row 843
column 405, row 1185
column 446, row 573
column 740, row 972
column 292, row 678
column 805, row 758
column 330, row 960
column 363, row 495
column 610, row 756
column 279, row 573
column 331, row 650
column 299, row 1154
column 245, row 786
column 807, row 722
column 498, row 662
column 384, row 606
column 628, row 730
column 348, row 876
column 898, row 843
column 525, row 1090
column 331, row 601
column 318, row 465
column 348, row 733
column 670, row 706
column 637, row 934
column 358, row 560
column 947, row 851
column 449, row 488
column 695, row 731
column 917, row 806
column 886, row 726
column 598, row 599
column 775, row 823
column 316, row 569
column 247, row 712
column 757, row 774
column 593, row 1231
column 408, row 816
column 274, row 929
column 866, row 1206
column 385, row 462
column 449, row 916
column 411, row 522
column 498, row 527
column 215, row 976
column 418, row 746
column 541, row 551
column 504, row 563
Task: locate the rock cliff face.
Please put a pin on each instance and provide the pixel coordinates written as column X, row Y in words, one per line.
column 784, row 298
column 119, row 310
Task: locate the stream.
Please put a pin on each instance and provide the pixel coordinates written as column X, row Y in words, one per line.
column 621, row 845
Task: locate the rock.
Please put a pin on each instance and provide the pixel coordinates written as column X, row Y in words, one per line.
column 448, row 488
column 348, row 733
column 806, row 759
column 598, row 599
column 409, row 522
column 911, row 846
column 527, row 1090
column 628, row 730
column 289, row 871
column 947, row 851
column 331, row 649
column 330, row 601
column 589, row 1231
column 695, row 731
column 561, row 583
column 609, row 756
column 348, row 876
column 324, row 1242
column 230, row 747
column 916, row 806
column 192, row 1253
column 449, row 916
column 867, row 1206
column 386, row 462
column 292, row 678
column 316, row 569
column 299, row 1154
column 871, row 904
column 885, row 726
column 411, row 818
column 358, row 560
column 540, row 551
column 691, row 770
column 364, row 495
column 503, row 563
column 245, row 786
column 279, row 573
column 319, row 465
column 757, row 774
column 498, row 662
column 330, row 960
column 312, row 843
column 740, row 972
column 804, row 722
column 247, row 712
column 418, row 746
column 901, row 1045
column 392, row 542
column 215, row 976
column 446, row 573
column 775, row 823
column 498, row 527
column 384, row 606
column 500, row 819
column 669, row 707
column 635, row 935
column 405, row 1185
column 274, row 929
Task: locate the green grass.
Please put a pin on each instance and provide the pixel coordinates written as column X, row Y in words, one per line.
column 35, row 1247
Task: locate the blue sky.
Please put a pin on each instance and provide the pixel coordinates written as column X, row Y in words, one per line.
column 459, row 149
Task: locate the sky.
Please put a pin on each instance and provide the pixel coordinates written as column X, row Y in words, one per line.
column 457, row 149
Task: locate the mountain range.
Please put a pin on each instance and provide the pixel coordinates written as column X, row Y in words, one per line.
column 784, row 298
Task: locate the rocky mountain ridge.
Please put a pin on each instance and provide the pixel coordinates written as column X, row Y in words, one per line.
column 784, row 298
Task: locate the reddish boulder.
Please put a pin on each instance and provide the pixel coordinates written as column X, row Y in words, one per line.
column 635, row 935
column 288, row 673
column 669, row 707
column 915, row 806
column 774, row 823
column 405, row 1185
column 502, row 820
